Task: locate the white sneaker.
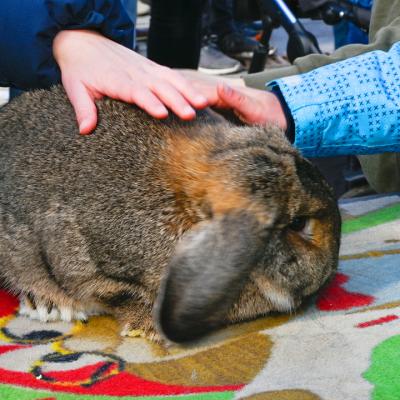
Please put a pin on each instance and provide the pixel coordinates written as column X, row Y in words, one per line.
column 215, row 62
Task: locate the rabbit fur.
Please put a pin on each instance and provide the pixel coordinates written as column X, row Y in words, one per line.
column 176, row 228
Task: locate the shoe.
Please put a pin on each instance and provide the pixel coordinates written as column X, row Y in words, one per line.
column 236, row 44
column 143, row 8
column 248, row 29
column 214, row 62
column 4, row 96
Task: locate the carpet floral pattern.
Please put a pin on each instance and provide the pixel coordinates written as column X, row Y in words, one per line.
column 344, row 345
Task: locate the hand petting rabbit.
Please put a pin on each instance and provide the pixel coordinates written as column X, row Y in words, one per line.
column 176, row 228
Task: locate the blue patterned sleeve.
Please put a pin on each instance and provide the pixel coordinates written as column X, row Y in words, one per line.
column 349, row 107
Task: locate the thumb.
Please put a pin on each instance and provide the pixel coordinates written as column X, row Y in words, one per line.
column 242, row 105
column 83, row 103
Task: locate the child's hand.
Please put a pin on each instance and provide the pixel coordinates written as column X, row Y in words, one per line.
column 252, row 106
column 93, row 66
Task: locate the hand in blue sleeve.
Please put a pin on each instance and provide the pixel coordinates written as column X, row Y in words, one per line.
column 349, row 107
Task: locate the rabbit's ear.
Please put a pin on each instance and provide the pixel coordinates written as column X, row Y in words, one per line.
column 210, row 267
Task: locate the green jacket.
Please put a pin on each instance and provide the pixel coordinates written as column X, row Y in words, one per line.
column 381, row 170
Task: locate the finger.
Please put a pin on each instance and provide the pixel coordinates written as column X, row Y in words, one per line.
column 209, row 92
column 234, row 99
column 146, row 100
column 187, row 89
column 202, row 84
column 122, row 87
column 243, row 106
column 174, row 100
column 83, row 103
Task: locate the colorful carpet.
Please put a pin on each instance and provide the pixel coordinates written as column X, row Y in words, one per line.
column 345, row 345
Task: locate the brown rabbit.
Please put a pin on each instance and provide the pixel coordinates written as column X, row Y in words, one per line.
column 173, row 227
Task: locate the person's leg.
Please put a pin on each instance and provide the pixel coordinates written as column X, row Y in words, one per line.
column 175, row 32
column 222, row 22
column 230, row 39
column 382, row 171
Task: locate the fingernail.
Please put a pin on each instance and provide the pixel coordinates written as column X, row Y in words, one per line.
column 84, row 127
column 161, row 111
column 200, row 99
column 187, row 110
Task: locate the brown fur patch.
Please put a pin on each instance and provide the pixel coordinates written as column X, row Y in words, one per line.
column 320, row 236
column 206, row 182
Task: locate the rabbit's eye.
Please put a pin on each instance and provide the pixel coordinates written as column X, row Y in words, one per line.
column 298, row 224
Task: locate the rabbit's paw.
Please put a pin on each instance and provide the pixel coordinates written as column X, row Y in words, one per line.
column 34, row 309
column 135, row 318
column 135, row 333
column 47, row 311
column 149, row 334
column 68, row 314
column 143, row 330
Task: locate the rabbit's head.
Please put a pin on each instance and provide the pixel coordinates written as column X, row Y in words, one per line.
column 268, row 236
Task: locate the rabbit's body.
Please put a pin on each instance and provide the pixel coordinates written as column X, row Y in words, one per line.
column 93, row 222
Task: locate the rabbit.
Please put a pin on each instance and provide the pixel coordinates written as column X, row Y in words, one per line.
column 176, row 228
